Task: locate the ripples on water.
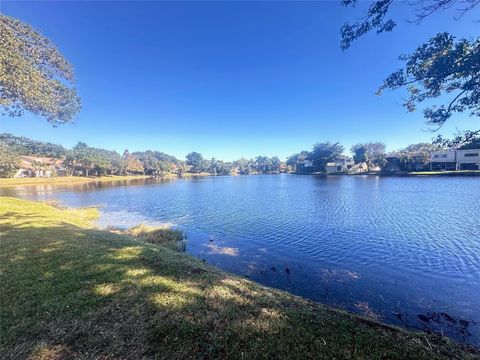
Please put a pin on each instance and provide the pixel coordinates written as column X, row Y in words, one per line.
column 391, row 248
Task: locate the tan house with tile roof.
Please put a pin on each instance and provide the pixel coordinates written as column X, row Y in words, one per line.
column 38, row 166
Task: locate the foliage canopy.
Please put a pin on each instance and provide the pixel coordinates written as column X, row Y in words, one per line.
column 442, row 67
column 9, row 162
column 323, row 153
column 34, row 76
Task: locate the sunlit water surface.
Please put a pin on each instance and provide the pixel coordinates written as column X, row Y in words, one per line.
column 403, row 250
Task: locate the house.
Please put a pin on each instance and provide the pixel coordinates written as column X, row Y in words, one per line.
column 414, row 161
column 37, row 166
column 342, row 164
column 443, row 160
column 468, row 159
column 334, row 167
column 305, row 166
column 392, row 162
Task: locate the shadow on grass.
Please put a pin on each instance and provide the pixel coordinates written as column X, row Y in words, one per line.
column 71, row 292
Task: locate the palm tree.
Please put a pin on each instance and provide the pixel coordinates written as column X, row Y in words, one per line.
column 262, row 162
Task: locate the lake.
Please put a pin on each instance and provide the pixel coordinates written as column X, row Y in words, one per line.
column 405, row 250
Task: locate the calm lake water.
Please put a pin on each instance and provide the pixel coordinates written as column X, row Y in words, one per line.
column 403, row 250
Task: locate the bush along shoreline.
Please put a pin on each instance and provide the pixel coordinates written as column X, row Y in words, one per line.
column 69, row 290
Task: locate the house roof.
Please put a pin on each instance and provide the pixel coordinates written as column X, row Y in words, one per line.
column 468, row 150
column 397, row 154
column 31, row 162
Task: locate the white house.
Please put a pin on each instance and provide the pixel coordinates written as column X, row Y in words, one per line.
column 343, row 164
column 334, row 167
column 468, row 159
column 443, row 160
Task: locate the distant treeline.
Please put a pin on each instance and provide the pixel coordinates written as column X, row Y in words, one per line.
column 366, row 156
column 87, row 160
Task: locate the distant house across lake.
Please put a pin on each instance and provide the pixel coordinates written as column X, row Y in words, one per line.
column 34, row 166
column 342, row 164
column 443, row 160
column 455, row 160
column 440, row 160
column 468, row 159
column 305, row 167
column 412, row 162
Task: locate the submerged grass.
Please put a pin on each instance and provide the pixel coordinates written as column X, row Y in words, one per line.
column 160, row 235
column 71, row 291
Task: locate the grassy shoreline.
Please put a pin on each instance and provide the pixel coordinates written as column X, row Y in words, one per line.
column 7, row 182
column 66, row 179
column 69, row 290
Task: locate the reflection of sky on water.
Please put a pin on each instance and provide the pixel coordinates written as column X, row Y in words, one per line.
column 124, row 220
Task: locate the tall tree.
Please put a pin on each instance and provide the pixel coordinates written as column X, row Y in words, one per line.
column 294, row 160
column 9, row 162
column 34, row 76
column 71, row 162
column 195, row 160
column 91, row 158
column 422, row 150
column 324, row 153
column 444, row 67
column 219, row 167
column 109, row 162
column 155, row 162
column 275, row 164
column 149, row 162
column 132, row 163
column 359, row 153
column 213, row 166
column 26, row 146
column 262, row 163
column 244, row 166
column 375, row 154
column 372, row 154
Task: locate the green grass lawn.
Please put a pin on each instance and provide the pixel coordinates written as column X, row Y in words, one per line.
column 71, row 291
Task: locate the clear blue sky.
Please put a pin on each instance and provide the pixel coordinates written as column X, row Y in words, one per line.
column 228, row 79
